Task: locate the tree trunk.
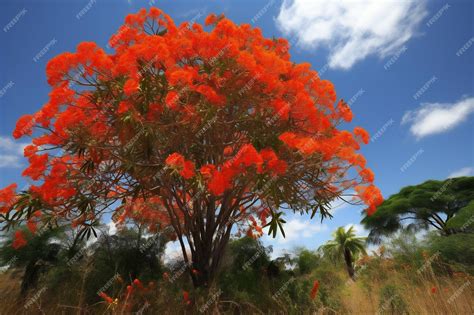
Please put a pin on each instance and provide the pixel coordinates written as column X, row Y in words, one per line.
column 204, row 228
column 30, row 277
column 206, row 259
column 348, row 260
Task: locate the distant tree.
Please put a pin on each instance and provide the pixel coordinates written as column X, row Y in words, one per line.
column 431, row 204
column 463, row 221
column 455, row 248
column 306, row 261
column 34, row 253
column 345, row 245
column 130, row 253
column 246, row 267
column 405, row 249
column 249, row 253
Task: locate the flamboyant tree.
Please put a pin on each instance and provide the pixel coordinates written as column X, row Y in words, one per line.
column 204, row 130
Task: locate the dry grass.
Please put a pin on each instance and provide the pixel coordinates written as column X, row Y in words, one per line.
column 453, row 296
column 430, row 295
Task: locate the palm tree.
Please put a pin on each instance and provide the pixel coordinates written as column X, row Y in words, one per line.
column 345, row 244
column 39, row 253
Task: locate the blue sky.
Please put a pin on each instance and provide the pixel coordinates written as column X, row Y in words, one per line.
column 405, row 67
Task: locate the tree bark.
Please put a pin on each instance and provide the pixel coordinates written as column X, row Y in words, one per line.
column 206, row 239
column 348, row 260
column 30, row 277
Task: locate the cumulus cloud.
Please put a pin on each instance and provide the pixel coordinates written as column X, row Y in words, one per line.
column 173, row 252
column 342, row 204
column 359, row 230
column 434, row 118
column 112, row 228
column 337, row 205
column 11, row 152
column 351, row 29
column 296, row 229
column 465, row 171
column 7, row 160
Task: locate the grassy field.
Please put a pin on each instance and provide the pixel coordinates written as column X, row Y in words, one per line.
column 382, row 287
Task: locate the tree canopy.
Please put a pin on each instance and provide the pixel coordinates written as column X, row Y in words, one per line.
column 442, row 205
column 203, row 129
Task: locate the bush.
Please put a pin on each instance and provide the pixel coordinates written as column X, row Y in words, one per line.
column 391, row 302
column 456, row 249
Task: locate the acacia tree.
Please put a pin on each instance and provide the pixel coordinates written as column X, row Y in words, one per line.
column 442, row 205
column 208, row 130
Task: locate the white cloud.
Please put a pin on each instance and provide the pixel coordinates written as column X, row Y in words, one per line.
column 8, row 145
column 173, row 252
column 7, row 160
column 340, row 204
column 11, row 152
column 465, row 171
column 359, row 230
column 112, row 227
column 434, row 118
column 296, row 229
column 337, row 205
column 352, row 29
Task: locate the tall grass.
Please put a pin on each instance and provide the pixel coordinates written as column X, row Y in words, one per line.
column 381, row 289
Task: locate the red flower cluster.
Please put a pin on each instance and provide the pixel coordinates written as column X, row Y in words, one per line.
column 314, row 290
column 19, row 240
column 364, row 135
column 371, row 196
column 24, row 126
column 106, row 298
column 38, row 165
column 186, row 297
column 7, row 198
column 177, row 161
column 245, row 161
